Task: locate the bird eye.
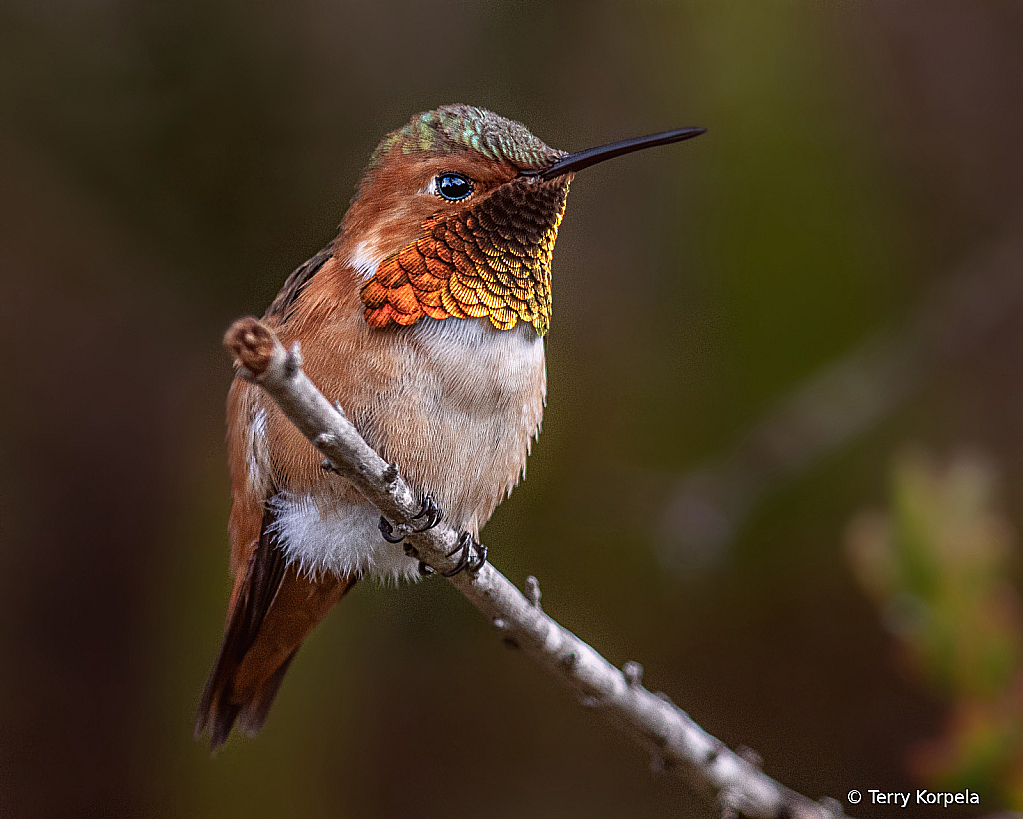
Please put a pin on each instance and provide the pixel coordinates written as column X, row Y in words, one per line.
column 453, row 186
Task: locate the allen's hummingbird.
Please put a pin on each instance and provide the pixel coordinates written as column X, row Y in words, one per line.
column 425, row 319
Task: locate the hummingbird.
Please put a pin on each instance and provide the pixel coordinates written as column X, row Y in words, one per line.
column 425, row 320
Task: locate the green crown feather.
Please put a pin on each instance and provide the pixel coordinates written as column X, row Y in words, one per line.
column 464, row 126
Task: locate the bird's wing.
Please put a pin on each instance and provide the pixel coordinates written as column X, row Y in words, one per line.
column 279, row 310
column 273, row 605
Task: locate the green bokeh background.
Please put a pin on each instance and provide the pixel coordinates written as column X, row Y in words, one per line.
column 166, row 165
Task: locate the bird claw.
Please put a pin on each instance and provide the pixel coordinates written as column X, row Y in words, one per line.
column 467, row 545
column 473, row 554
column 387, row 531
column 427, row 509
column 431, row 511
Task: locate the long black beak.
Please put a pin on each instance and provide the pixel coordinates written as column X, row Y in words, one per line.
column 591, row 156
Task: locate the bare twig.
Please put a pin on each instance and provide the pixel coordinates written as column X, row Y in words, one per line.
column 676, row 743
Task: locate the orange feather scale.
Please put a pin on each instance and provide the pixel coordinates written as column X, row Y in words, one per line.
column 491, row 260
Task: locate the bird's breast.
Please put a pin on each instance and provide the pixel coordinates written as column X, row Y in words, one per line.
column 456, row 406
column 454, row 402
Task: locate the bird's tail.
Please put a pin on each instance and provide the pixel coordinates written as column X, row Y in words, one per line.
column 273, row 609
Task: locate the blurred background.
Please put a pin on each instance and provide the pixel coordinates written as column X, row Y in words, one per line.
column 781, row 463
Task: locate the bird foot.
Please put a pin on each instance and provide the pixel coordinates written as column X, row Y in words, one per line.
column 473, row 555
column 431, row 511
column 427, row 509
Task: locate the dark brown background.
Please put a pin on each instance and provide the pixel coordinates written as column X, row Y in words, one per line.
column 165, row 165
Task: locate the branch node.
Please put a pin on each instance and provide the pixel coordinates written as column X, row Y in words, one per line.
column 324, row 439
column 390, row 474
column 749, row 755
column 532, row 591
column 340, row 410
column 507, row 640
column 570, row 660
column 328, row 466
column 713, row 754
column 251, row 344
column 293, row 361
column 633, row 673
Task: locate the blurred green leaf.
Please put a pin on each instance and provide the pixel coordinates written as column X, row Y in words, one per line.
column 937, row 565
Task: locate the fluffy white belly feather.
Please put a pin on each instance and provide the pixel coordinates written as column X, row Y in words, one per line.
column 343, row 539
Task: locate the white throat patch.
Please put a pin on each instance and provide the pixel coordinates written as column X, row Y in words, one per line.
column 364, row 260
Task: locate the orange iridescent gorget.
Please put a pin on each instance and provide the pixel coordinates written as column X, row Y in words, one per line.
column 491, row 260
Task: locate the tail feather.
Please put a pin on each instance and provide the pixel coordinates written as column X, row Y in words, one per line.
column 253, row 715
column 274, row 609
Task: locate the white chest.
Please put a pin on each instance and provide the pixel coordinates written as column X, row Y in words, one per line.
column 461, row 415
